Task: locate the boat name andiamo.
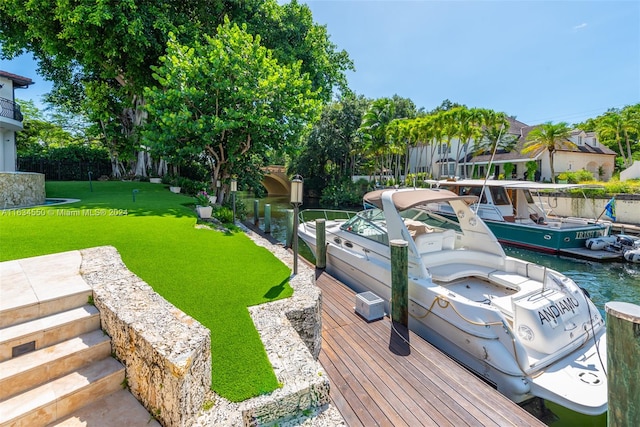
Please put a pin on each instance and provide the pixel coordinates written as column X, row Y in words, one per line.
column 552, row 312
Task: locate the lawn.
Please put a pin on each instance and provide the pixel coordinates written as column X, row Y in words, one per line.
column 210, row 275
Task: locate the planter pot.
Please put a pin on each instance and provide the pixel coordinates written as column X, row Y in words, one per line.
column 213, row 199
column 204, row 211
column 174, row 189
column 155, row 180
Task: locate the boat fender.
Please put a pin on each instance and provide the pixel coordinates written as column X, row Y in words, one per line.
column 632, row 255
column 599, row 243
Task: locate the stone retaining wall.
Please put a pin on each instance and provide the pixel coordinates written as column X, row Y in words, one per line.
column 21, row 189
column 167, row 354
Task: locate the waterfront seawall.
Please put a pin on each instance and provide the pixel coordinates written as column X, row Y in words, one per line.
column 627, row 206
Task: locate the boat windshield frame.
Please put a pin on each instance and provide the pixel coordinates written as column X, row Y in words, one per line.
column 431, row 219
column 366, row 224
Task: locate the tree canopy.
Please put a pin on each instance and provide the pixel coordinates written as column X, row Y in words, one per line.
column 227, row 99
column 99, row 54
column 549, row 136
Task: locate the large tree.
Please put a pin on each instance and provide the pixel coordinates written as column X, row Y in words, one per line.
column 332, row 153
column 373, row 131
column 226, row 98
column 548, row 136
column 99, row 53
column 620, row 131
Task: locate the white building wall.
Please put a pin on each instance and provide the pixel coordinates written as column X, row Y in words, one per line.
column 571, row 161
column 7, row 136
column 8, row 158
column 632, row 172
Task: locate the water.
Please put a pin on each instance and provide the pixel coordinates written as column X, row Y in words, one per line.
column 605, row 282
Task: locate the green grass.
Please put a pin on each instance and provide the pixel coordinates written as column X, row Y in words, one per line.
column 210, row 275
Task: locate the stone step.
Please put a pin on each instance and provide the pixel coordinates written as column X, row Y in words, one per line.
column 46, row 331
column 115, row 410
column 57, row 399
column 30, row 311
column 40, row 286
column 32, row 369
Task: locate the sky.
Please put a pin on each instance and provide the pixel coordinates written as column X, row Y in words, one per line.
column 538, row 60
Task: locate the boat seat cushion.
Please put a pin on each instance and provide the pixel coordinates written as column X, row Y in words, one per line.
column 454, row 271
column 417, row 228
column 435, row 241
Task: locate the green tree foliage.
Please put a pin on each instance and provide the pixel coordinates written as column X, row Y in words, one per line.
column 56, row 129
column 99, row 54
column 549, row 136
column 226, row 98
column 438, row 129
column 382, row 144
column 332, row 152
column 620, row 131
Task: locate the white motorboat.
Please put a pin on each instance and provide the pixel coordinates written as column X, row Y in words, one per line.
column 511, row 212
column 527, row 330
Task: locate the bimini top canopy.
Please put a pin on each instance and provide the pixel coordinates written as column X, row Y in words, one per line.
column 513, row 184
column 407, row 198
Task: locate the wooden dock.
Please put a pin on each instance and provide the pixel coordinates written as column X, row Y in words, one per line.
column 378, row 379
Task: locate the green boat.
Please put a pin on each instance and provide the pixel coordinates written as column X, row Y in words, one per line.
column 510, row 211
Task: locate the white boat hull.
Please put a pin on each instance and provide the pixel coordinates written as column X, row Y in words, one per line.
column 489, row 312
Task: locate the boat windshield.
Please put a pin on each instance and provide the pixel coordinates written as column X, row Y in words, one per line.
column 499, row 196
column 431, row 219
column 468, row 190
column 370, row 224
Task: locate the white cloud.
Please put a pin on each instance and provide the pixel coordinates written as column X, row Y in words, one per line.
column 580, row 27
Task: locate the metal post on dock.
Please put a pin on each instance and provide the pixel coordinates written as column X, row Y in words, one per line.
column 400, row 281
column 256, row 212
column 623, row 363
column 267, row 218
column 321, row 243
column 289, row 223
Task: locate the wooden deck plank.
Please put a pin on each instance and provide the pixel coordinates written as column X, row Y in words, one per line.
column 429, row 389
column 416, row 385
column 447, row 387
column 383, row 387
column 348, row 386
column 382, row 410
column 399, row 388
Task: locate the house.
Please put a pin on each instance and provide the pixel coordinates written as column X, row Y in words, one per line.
column 10, row 118
column 585, row 153
column 17, row 189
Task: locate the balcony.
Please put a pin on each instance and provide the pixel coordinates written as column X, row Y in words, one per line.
column 10, row 115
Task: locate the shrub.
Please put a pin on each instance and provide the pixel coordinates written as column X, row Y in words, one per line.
column 241, row 208
column 191, row 187
column 342, row 195
column 223, row 214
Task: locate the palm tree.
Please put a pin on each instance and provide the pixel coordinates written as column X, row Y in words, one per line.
column 549, row 136
column 373, row 129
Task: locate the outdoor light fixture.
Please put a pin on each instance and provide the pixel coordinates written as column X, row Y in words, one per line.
column 234, row 188
column 296, row 201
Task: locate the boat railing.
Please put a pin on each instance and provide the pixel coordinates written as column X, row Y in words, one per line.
column 327, row 214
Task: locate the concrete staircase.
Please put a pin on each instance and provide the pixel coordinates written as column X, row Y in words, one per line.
column 55, row 362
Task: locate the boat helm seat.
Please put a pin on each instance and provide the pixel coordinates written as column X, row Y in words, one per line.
column 435, row 241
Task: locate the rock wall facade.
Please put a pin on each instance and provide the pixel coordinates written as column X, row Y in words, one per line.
column 166, row 354
column 21, row 189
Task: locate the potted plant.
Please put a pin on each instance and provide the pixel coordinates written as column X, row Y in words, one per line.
column 203, row 204
column 154, row 178
column 174, row 185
